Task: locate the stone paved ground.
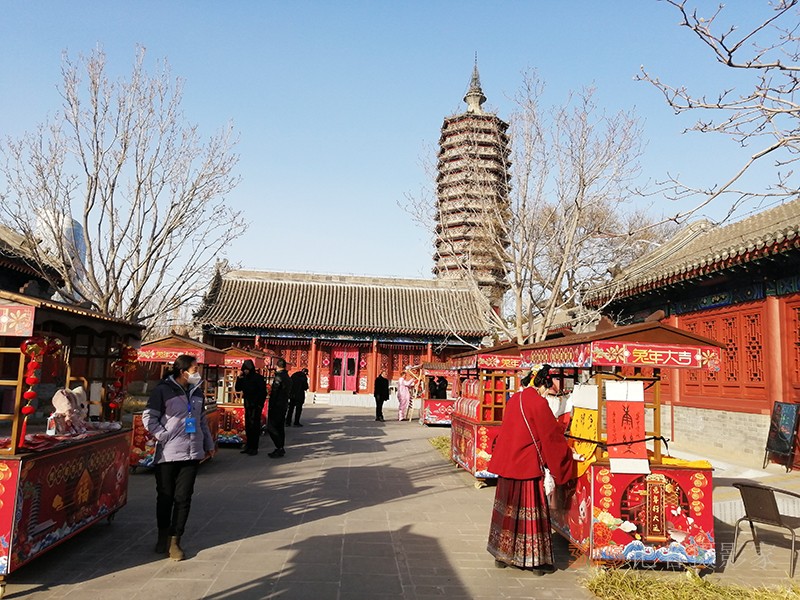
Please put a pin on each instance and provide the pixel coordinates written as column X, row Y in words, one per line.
column 356, row 509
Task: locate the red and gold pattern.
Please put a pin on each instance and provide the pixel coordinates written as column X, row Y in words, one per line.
column 16, row 320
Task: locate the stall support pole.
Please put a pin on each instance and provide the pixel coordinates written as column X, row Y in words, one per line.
column 372, row 367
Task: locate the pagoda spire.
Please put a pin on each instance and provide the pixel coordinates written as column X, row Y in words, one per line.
column 475, row 97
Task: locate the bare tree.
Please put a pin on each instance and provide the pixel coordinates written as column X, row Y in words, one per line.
column 120, row 195
column 764, row 117
column 562, row 223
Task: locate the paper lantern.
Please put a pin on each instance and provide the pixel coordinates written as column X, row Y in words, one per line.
column 29, row 395
column 28, row 410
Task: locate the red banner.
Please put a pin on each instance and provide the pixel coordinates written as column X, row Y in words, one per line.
column 655, row 355
column 499, row 361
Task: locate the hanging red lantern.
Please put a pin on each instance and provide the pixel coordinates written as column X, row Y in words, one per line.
column 33, row 365
column 29, row 394
column 31, row 380
column 28, row 410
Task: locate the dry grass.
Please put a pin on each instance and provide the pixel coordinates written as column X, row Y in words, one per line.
column 442, row 444
column 630, row 584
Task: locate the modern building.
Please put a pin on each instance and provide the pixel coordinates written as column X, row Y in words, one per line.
column 740, row 285
column 472, row 189
column 344, row 329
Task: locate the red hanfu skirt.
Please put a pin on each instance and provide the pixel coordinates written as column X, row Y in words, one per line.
column 520, row 530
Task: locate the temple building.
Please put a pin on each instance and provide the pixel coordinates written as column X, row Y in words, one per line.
column 472, row 187
column 344, row 329
column 740, row 285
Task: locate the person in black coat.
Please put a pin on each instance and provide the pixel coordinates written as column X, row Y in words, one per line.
column 276, row 412
column 297, row 397
column 441, row 388
column 381, row 394
column 253, row 387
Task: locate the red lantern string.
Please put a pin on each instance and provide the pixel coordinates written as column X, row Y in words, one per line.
column 35, row 348
column 128, row 356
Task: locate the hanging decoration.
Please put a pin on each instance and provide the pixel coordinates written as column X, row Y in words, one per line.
column 35, row 349
column 128, row 357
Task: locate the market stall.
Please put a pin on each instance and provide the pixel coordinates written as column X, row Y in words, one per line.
column 630, row 502
column 434, row 409
column 60, row 478
column 229, row 401
column 486, row 379
column 157, row 356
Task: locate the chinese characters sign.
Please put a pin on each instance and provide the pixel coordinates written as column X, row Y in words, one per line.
column 496, row 361
column 618, row 354
column 655, row 355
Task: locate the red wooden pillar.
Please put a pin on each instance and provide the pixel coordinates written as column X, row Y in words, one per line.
column 312, row 366
column 429, row 353
column 773, row 354
column 372, row 367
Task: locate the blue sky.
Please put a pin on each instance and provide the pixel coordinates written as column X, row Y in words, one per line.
column 339, row 103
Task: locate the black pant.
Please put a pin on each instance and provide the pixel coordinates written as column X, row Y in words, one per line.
column 252, row 425
column 297, row 407
column 276, row 417
column 174, row 488
column 379, row 408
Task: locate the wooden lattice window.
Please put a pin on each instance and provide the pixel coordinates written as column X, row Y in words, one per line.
column 730, row 337
column 303, row 359
column 753, row 347
column 794, row 319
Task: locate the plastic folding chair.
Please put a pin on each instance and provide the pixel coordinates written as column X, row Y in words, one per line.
column 761, row 506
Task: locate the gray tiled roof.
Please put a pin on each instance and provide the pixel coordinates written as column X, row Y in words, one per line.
column 703, row 248
column 315, row 302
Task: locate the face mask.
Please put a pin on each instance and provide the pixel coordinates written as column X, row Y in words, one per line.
column 194, row 378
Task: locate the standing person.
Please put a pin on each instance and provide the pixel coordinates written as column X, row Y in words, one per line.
column 276, row 411
column 176, row 419
column 405, row 387
column 254, row 392
column 441, row 388
column 297, row 397
column 381, row 394
column 529, row 440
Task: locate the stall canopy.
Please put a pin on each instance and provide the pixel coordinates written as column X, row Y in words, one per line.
column 235, row 356
column 641, row 345
column 503, row 356
column 167, row 349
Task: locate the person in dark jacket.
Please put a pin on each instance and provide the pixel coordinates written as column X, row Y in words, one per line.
column 253, row 387
column 297, row 397
column 276, row 411
column 175, row 417
column 441, row 387
column 381, row 394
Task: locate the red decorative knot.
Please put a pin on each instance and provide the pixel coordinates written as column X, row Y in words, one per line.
column 33, row 365
column 28, row 410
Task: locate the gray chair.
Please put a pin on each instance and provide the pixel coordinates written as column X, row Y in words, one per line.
column 761, row 506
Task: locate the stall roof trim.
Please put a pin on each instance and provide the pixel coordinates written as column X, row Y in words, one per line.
column 640, row 345
column 168, row 348
column 65, row 308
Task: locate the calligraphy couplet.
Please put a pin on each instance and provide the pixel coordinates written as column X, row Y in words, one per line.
column 625, row 423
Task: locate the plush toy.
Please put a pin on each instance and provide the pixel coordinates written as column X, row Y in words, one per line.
column 68, row 417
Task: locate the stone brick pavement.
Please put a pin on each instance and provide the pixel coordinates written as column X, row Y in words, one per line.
column 356, row 509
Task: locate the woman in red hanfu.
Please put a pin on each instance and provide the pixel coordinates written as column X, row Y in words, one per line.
column 529, row 440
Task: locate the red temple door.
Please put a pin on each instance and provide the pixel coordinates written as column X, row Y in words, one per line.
column 344, row 370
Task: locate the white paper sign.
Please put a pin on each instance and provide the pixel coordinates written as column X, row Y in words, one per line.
column 629, row 391
column 629, row 465
column 584, row 396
